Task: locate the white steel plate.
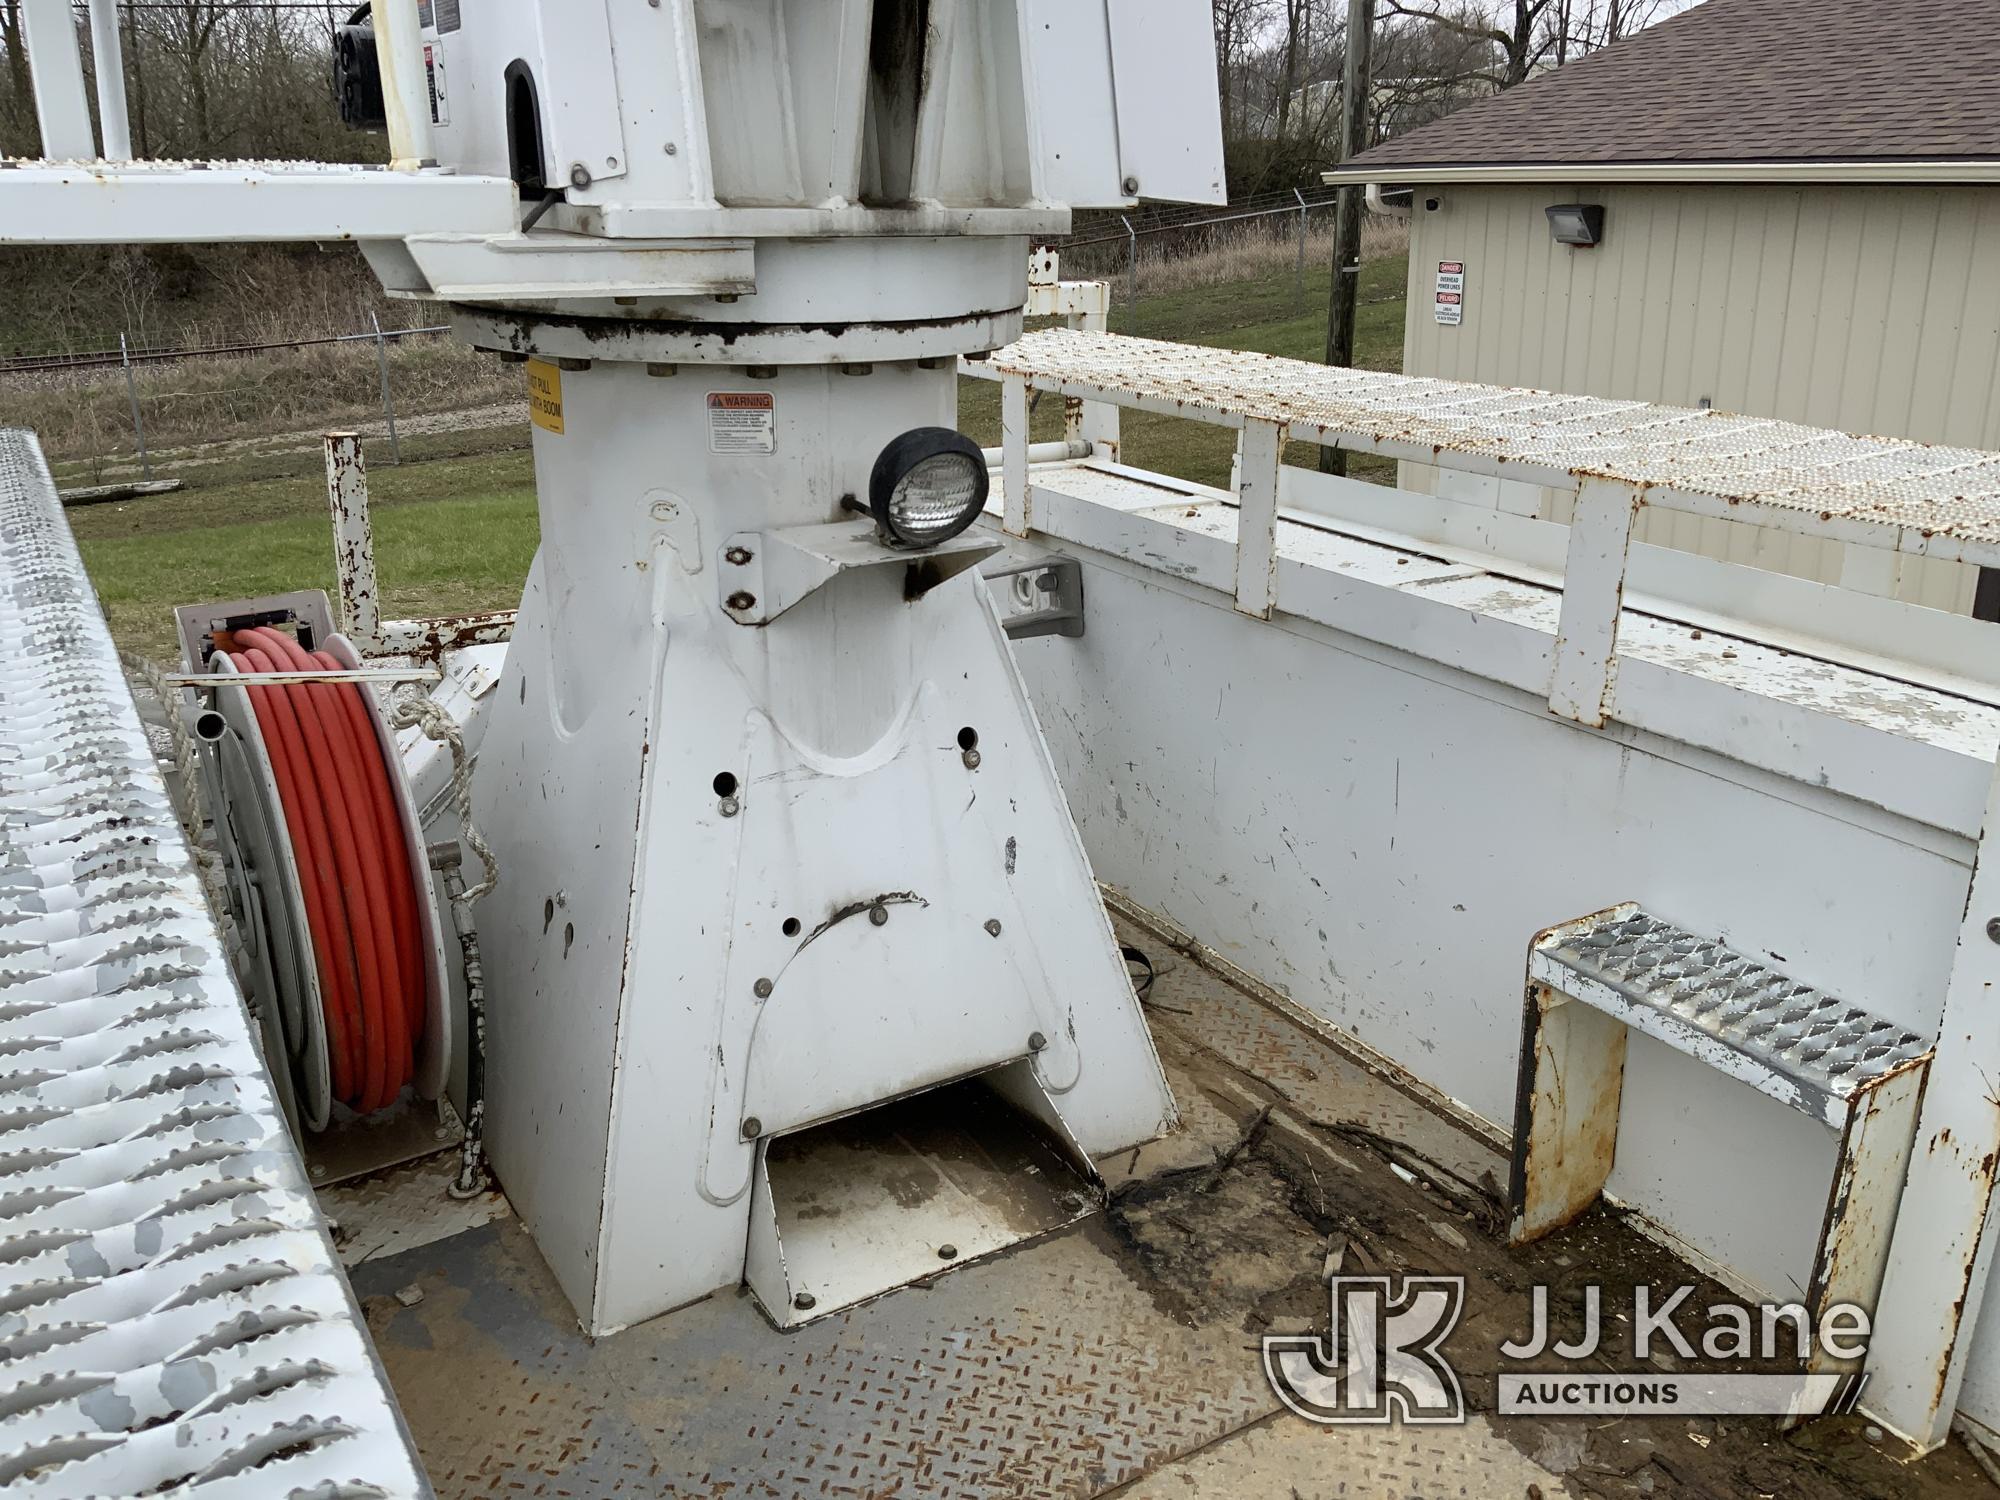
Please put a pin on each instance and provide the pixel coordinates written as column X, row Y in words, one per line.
column 1169, row 106
column 75, row 203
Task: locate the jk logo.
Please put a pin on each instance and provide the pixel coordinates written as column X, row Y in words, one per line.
column 1382, row 1360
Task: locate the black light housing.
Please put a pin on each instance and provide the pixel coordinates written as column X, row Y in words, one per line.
column 927, row 486
column 1576, row 223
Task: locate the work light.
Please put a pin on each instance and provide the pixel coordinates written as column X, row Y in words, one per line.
column 926, row 486
column 1576, row 223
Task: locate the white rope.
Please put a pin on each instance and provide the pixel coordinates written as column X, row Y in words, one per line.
column 411, row 709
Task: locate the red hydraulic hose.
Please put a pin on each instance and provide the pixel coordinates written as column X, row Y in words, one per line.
column 377, row 841
column 354, row 867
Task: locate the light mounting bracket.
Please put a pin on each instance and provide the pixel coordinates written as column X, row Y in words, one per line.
column 763, row 574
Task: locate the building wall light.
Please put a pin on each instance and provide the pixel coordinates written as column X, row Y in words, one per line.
column 1576, row 223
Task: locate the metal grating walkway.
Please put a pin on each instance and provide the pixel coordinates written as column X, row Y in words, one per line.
column 1674, row 983
column 1882, row 492
column 172, row 1320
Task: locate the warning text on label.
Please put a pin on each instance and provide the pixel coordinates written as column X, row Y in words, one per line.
column 545, row 395
column 742, row 422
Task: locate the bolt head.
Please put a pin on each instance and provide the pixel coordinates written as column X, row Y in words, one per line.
column 763, row 987
column 993, row 927
column 579, row 175
column 947, row 1252
column 742, row 601
column 752, row 1128
column 878, row 915
column 1131, row 185
column 971, row 759
column 729, row 807
column 805, row 1301
column 1993, row 928
column 1036, row 1041
column 737, row 555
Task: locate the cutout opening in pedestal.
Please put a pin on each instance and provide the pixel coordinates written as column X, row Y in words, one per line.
column 893, row 1195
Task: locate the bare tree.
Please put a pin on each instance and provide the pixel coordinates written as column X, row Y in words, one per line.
column 187, row 33
column 1298, row 40
column 1237, row 25
column 1518, row 32
column 1585, row 25
column 17, row 115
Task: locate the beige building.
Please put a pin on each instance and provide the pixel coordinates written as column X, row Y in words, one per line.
column 1796, row 213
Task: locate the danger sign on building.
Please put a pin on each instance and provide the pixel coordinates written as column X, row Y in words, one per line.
column 1451, row 291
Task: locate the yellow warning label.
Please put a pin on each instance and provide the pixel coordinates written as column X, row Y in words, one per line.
column 545, row 395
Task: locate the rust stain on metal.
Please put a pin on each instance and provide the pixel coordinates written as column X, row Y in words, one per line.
column 431, row 637
column 856, row 908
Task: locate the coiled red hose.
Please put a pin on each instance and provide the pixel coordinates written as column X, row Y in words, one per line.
column 354, row 867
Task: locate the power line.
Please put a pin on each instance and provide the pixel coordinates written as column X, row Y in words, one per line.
column 192, row 5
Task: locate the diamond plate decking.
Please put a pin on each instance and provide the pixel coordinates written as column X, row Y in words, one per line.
column 1880, row 492
column 172, row 1322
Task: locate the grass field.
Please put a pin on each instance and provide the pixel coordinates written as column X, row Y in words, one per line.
column 455, row 524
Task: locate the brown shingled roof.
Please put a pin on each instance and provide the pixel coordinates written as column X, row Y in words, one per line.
column 1747, row 81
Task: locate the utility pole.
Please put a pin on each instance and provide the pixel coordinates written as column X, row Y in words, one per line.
column 1354, row 87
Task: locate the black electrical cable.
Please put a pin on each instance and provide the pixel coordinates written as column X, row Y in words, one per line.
column 1142, row 985
column 535, row 213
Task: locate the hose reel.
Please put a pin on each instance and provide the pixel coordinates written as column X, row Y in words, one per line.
column 326, row 876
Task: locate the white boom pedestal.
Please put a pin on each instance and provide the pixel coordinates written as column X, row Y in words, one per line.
column 760, row 876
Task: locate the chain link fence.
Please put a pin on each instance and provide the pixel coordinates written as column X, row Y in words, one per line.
column 1160, row 249
column 134, row 412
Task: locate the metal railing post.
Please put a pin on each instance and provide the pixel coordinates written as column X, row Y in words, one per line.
column 1131, row 276
column 388, row 405
column 132, row 395
column 357, row 597
column 1585, row 672
column 1299, row 276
